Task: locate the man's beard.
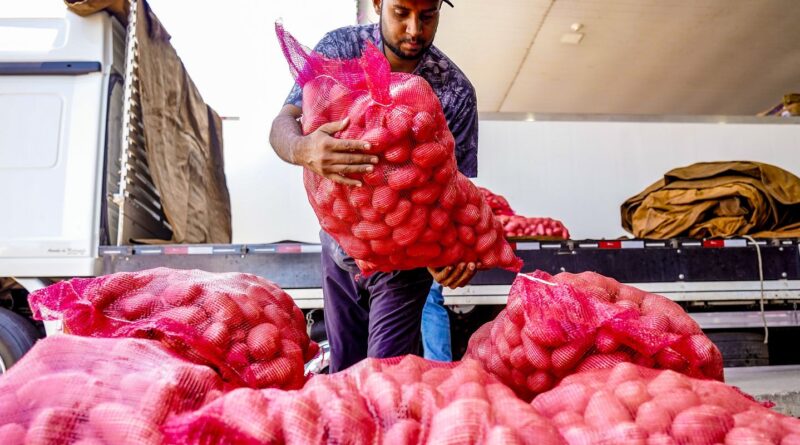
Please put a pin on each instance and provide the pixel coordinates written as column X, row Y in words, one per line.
column 399, row 52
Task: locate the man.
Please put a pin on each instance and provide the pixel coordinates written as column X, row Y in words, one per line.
column 379, row 316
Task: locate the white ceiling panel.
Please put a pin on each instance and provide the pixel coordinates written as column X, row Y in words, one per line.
column 658, row 57
column 734, row 57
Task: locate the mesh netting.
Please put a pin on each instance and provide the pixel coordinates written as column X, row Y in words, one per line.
column 414, row 209
column 76, row 390
column 630, row 404
column 243, row 325
column 394, row 401
column 555, row 326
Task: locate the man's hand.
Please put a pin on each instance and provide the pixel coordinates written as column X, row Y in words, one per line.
column 454, row 276
column 334, row 158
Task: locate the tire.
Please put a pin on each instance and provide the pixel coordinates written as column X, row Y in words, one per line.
column 17, row 336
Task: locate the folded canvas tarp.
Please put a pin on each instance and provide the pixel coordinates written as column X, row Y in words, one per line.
column 717, row 199
column 183, row 135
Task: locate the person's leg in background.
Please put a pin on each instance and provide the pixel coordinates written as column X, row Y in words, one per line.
column 436, row 327
column 346, row 318
column 395, row 311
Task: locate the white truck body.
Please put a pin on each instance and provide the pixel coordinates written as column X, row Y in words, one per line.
column 53, row 134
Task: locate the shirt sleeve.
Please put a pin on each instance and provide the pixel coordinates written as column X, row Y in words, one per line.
column 465, row 132
column 327, row 47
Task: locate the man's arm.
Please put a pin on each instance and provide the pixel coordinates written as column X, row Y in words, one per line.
column 319, row 151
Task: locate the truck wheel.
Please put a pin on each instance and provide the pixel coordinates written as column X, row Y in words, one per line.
column 17, row 336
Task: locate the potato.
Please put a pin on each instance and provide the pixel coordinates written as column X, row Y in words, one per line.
column 138, row 305
column 218, row 334
column 652, row 418
column 383, row 394
column 120, row 424
column 676, row 400
column 602, row 361
column 656, row 321
column 536, row 354
column 299, row 421
column 502, row 435
column 539, row 381
column 623, row 372
column 747, row 436
column 668, row 358
column 581, row 435
column 188, row 315
column 667, row 382
column 700, row 425
column 569, row 355
column 572, row 397
column 606, row 341
column 275, row 373
column 568, row 418
column 12, row 434
column 263, row 341
column 10, row 408
column 791, row 439
column 661, row 439
column 627, row 433
column 52, row 425
column 461, row 422
column 348, row 420
column 404, row 431
column 548, row 333
column 38, row 391
column 604, row 410
column 632, row 394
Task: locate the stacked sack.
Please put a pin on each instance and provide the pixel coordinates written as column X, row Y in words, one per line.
column 414, row 209
column 392, row 401
column 70, row 389
column 632, row 405
column 516, row 226
column 242, row 325
column 555, row 326
column 497, row 203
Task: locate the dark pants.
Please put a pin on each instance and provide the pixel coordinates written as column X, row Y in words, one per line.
column 377, row 316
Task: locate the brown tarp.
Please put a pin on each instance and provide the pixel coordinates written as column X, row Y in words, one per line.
column 183, row 135
column 717, row 199
column 118, row 8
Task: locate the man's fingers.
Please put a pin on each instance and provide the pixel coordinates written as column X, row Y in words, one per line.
column 333, row 127
column 349, row 145
column 454, row 275
column 445, row 276
column 343, row 180
column 467, row 275
column 349, row 169
column 350, row 159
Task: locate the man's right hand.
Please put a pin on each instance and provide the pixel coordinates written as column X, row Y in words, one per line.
column 334, row 158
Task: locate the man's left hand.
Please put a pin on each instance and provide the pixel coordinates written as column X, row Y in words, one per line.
column 454, row 276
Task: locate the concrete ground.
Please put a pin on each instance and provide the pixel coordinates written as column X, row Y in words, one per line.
column 779, row 384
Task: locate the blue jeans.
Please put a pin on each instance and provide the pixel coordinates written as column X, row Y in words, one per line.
column 436, row 327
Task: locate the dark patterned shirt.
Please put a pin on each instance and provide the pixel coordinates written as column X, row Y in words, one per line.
column 454, row 90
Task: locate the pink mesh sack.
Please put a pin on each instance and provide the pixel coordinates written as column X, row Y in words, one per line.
column 414, row 209
column 516, row 226
column 243, row 325
column 76, row 390
column 393, row 401
column 630, row 404
column 555, row 326
column 497, row 203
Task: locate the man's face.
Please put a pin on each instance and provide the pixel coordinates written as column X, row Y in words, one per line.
column 408, row 26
